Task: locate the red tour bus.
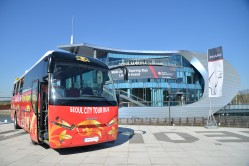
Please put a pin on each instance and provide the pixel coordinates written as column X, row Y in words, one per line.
column 66, row 100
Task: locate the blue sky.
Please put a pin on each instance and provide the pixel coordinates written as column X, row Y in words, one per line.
column 30, row 28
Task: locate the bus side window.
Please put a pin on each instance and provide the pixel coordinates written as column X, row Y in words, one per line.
column 17, row 87
column 21, row 85
column 14, row 90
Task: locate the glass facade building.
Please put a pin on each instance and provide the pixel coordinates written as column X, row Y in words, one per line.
column 186, row 88
column 174, row 83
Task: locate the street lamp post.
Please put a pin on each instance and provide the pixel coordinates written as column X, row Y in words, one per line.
column 169, row 102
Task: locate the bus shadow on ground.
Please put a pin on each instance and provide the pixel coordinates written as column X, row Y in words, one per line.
column 124, row 135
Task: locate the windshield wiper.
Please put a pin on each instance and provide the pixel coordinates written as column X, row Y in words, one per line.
column 100, row 98
column 87, row 98
column 104, row 99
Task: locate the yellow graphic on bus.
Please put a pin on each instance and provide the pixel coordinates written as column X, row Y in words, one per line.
column 27, row 108
column 83, row 59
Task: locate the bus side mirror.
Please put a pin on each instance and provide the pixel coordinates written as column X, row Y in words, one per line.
column 125, row 71
column 50, row 65
column 118, row 98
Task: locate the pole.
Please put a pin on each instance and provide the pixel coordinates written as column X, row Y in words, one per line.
column 72, row 37
column 169, row 102
column 211, row 122
column 210, row 111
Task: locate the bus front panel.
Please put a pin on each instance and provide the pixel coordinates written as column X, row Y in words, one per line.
column 82, row 106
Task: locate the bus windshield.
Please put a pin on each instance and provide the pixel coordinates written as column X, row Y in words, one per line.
column 75, row 81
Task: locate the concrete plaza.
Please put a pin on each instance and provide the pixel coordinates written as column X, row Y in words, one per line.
column 136, row 145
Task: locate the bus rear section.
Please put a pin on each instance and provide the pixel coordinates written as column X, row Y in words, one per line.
column 73, row 104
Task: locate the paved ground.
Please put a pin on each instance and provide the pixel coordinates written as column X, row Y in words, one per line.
column 150, row 145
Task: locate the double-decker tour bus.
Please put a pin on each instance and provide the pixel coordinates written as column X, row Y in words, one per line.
column 66, row 100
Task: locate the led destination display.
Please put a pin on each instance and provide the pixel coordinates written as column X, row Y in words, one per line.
column 139, row 72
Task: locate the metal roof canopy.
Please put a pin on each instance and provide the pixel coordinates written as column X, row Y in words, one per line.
column 88, row 50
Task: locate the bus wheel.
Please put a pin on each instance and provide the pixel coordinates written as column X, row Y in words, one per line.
column 16, row 126
column 33, row 142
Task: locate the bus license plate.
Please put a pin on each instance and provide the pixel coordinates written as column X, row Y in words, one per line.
column 91, row 139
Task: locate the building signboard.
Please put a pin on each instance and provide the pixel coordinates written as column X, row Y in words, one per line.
column 141, row 72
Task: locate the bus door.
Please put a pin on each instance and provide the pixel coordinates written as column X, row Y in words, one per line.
column 34, row 111
column 43, row 111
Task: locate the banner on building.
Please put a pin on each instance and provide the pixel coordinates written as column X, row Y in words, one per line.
column 141, row 72
column 215, row 71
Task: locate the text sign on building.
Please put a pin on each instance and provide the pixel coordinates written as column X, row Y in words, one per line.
column 215, row 71
column 140, row 72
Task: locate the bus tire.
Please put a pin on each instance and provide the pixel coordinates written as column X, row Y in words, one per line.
column 16, row 126
column 33, row 142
